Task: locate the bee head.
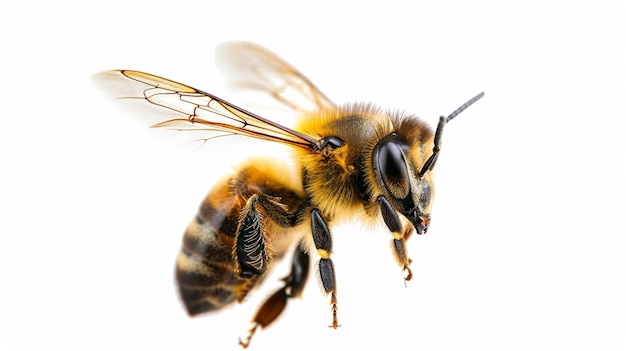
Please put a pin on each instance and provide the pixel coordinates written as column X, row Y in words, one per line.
column 406, row 189
column 407, row 186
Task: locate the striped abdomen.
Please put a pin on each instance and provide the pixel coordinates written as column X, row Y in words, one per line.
column 206, row 269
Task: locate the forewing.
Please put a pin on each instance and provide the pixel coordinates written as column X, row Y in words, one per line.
column 164, row 103
column 250, row 66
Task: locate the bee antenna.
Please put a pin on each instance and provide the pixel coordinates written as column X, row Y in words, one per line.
column 430, row 163
column 463, row 107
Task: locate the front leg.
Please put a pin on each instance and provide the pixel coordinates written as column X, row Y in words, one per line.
column 401, row 229
column 323, row 245
column 400, row 253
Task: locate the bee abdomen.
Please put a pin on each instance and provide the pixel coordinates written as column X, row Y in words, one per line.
column 199, row 289
column 209, row 265
column 204, row 268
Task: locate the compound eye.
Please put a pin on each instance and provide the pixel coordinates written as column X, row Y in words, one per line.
column 392, row 167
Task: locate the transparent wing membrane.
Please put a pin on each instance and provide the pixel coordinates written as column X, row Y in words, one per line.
column 164, row 103
column 250, row 66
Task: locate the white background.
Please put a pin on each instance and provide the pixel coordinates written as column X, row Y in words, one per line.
column 527, row 246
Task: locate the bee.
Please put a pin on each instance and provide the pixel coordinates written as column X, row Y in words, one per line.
column 349, row 161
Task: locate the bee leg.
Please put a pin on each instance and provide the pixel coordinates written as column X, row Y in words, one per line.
column 400, row 235
column 275, row 304
column 323, row 244
column 401, row 255
column 250, row 248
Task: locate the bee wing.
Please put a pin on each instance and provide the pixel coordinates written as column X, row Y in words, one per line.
column 250, row 66
column 164, row 103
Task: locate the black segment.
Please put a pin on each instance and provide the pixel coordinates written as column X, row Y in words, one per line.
column 389, row 215
column 319, row 229
column 327, row 274
column 299, row 273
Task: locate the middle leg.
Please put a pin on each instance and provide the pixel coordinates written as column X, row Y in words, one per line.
column 323, row 245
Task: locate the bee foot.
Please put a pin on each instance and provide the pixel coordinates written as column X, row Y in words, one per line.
column 246, row 343
column 409, row 274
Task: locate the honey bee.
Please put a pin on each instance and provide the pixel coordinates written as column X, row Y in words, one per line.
column 349, row 161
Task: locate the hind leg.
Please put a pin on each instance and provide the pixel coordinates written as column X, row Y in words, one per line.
column 276, row 303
